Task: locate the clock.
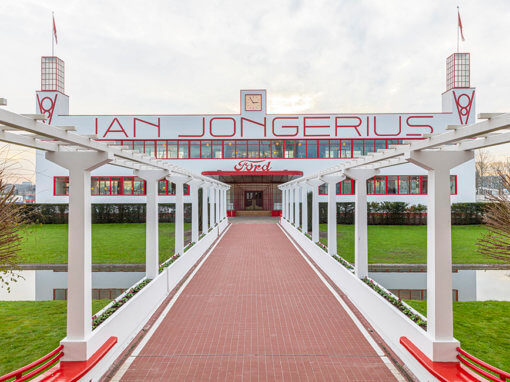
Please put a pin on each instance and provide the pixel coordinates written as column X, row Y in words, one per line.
column 253, row 102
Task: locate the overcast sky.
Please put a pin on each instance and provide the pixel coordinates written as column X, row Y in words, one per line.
column 311, row 56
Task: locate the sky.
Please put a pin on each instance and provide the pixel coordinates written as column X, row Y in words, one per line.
column 193, row 56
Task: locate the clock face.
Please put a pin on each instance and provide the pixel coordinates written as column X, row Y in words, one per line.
column 253, row 102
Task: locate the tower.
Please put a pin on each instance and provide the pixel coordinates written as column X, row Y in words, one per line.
column 459, row 97
column 51, row 99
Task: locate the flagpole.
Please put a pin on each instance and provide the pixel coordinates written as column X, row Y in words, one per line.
column 458, row 29
column 52, row 37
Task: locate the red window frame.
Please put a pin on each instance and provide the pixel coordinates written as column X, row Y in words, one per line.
column 122, row 179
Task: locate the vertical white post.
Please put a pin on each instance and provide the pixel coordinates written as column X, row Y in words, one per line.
column 332, row 180
column 284, row 201
column 217, row 201
column 179, row 181
column 304, row 208
column 296, row 207
column 315, row 183
column 79, row 268
column 193, row 185
column 360, row 176
column 205, row 207
column 151, row 178
column 291, row 206
column 226, row 203
column 439, row 249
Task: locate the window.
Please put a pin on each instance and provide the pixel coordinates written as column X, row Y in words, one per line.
column 300, row 149
column 194, row 149
column 311, row 149
column 241, row 149
column 127, row 186
column 323, row 149
column 453, row 184
column 139, row 186
column 162, row 187
column 183, row 150
column 392, row 185
column 94, row 185
column 346, row 149
column 265, row 149
column 323, row 189
column 161, row 149
column 149, row 148
column 380, row 185
column 334, row 148
column 357, row 148
column 380, row 144
column 403, row 185
column 369, row 146
column 253, row 149
column 217, row 149
column 61, row 185
column 229, row 149
column 290, row 149
column 115, row 185
column 346, row 187
column 206, row 149
column 139, row 146
column 104, row 186
column 371, row 186
column 277, row 147
column 415, row 185
column 424, row 184
column 172, row 149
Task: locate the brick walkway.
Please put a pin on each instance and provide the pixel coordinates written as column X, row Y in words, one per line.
column 256, row 311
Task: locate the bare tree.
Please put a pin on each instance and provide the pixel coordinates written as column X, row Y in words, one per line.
column 496, row 243
column 483, row 165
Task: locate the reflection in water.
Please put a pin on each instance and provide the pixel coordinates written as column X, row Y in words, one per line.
column 468, row 285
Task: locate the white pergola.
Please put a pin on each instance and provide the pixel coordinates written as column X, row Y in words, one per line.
column 438, row 154
column 80, row 155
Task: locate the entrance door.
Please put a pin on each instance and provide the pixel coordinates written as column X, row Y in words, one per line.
column 253, row 200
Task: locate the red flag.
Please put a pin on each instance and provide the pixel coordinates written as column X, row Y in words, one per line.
column 55, row 30
column 460, row 27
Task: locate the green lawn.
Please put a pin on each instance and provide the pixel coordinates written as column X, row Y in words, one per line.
column 31, row 329
column 482, row 327
column 111, row 243
column 408, row 243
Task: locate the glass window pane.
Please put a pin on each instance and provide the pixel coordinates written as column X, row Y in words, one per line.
column 290, row 149
column 127, row 186
column 94, row 185
column 183, row 150
column 59, row 294
column 194, row 149
column 334, row 148
column 186, row 189
column 357, row 148
column 241, row 151
column 171, row 188
column 403, row 185
column 60, row 185
column 323, row 149
column 253, row 149
column 424, row 184
column 277, row 149
column 217, row 149
column 104, row 185
column 415, row 184
column 115, row 186
column 139, row 146
column 371, row 186
column 229, row 149
column 300, row 149
column 380, row 185
column 380, row 144
column 161, row 152
column 369, row 146
column 323, row 189
column 452, row 184
column 265, row 149
column 311, row 149
column 346, row 149
column 139, row 186
column 162, row 187
column 172, row 149
column 206, row 149
column 392, row 185
column 346, row 187
column 149, row 148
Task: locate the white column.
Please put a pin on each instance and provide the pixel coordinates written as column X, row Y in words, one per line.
column 193, row 186
column 360, row 176
column 304, row 207
column 79, row 267
column 151, row 178
column 291, row 205
column 179, row 181
column 296, row 206
column 332, row 180
column 205, row 207
column 225, row 205
column 439, row 249
column 315, row 183
column 283, row 202
column 217, row 204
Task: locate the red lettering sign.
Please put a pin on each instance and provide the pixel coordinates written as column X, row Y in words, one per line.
column 248, row 165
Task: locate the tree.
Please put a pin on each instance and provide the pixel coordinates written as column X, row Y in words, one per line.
column 496, row 243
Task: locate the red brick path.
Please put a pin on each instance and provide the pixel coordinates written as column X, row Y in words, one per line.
column 256, row 311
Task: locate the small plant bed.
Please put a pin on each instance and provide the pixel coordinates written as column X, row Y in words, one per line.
column 308, row 236
column 189, row 246
column 201, row 236
column 397, row 303
column 345, row 263
column 116, row 304
column 168, row 262
column 322, row 246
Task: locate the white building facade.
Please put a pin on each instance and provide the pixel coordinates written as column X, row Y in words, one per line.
column 254, row 151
